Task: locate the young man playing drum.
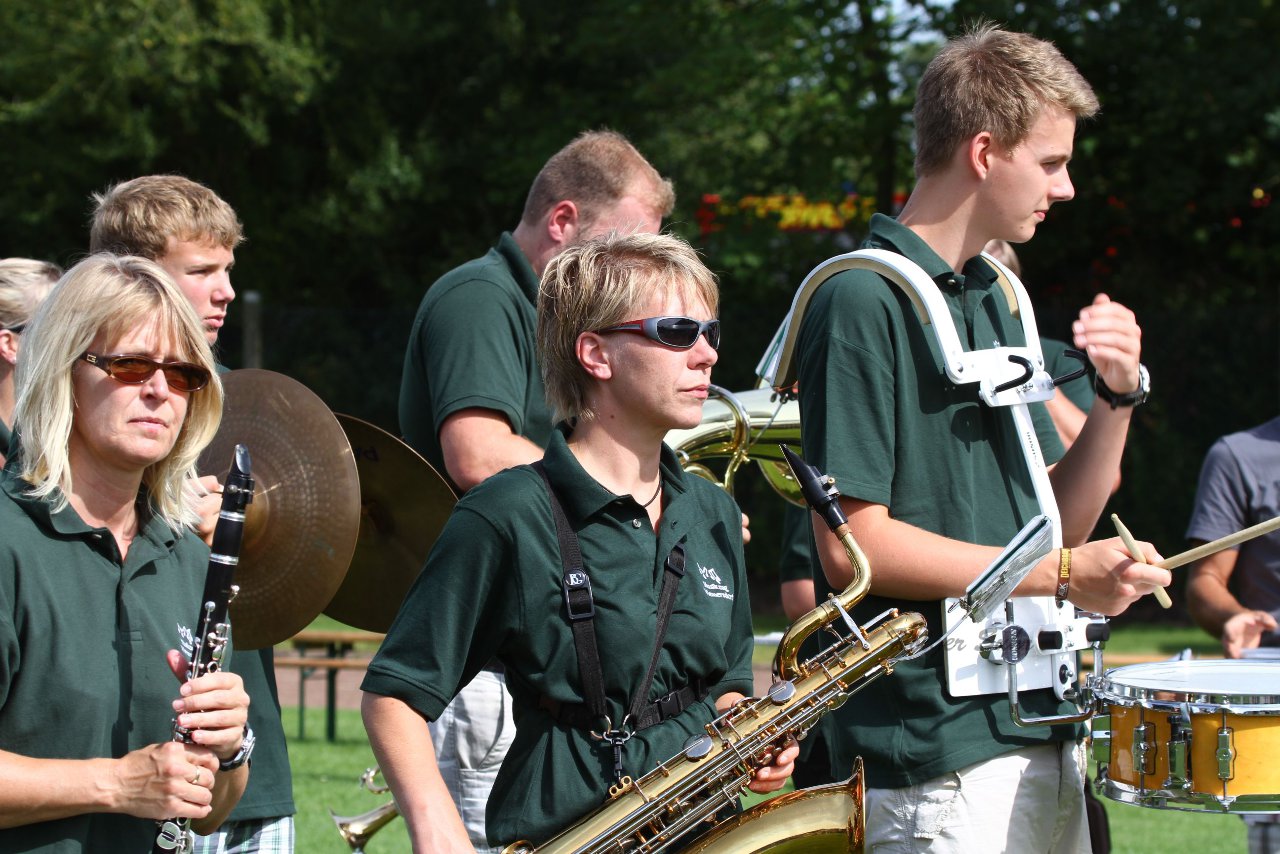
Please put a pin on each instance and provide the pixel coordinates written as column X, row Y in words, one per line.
column 934, row 481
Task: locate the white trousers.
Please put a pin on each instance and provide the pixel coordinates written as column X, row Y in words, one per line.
column 1024, row 802
column 471, row 738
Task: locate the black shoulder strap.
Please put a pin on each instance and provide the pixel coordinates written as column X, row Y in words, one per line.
column 579, row 604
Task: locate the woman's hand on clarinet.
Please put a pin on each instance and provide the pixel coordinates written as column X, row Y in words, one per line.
column 160, row 781
column 214, row 707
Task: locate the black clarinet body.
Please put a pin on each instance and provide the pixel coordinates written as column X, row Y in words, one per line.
column 213, row 632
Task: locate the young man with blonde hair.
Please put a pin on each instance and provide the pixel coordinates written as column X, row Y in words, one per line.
column 934, row 480
column 189, row 230
column 184, row 227
column 472, row 400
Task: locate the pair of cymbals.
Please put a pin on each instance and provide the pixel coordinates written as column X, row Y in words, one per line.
column 342, row 517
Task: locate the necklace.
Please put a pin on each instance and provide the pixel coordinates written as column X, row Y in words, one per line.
column 654, row 497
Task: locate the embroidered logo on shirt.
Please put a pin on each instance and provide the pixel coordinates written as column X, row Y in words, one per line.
column 186, row 639
column 712, row 584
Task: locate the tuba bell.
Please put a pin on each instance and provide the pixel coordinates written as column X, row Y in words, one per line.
column 740, row 427
column 357, row 830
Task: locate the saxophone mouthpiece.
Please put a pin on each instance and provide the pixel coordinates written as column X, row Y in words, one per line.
column 819, row 490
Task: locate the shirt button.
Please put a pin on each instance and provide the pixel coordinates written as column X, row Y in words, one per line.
column 635, row 523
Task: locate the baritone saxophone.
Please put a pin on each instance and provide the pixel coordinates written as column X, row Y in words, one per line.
column 681, row 803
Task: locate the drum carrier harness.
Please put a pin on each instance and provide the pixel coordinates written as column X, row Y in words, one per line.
column 1035, row 644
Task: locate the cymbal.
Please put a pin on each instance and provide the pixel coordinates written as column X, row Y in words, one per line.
column 300, row 530
column 404, row 505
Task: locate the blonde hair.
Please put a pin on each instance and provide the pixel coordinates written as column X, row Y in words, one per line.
column 138, row 217
column 602, row 282
column 993, row 80
column 101, row 299
column 596, row 171
column 24, row 284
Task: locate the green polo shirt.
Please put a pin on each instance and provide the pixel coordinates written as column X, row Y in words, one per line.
column 1080, row 390
column 491, row 587
column 881, row 416
column 5, row 437
column 473, row 345
column 83, row 638
column 269, row 793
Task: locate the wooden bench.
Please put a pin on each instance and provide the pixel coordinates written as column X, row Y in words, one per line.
column 335, row 646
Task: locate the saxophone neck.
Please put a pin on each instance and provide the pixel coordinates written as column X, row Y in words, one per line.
column 786, row 660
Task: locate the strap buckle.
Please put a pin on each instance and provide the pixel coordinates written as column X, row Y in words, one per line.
column 669, row 705
column 614, row 737
column 577, row 595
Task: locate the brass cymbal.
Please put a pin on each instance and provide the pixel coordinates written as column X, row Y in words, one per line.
column 404, row 505
column 301, row 528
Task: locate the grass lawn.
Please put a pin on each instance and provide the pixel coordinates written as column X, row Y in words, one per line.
column 326, row 775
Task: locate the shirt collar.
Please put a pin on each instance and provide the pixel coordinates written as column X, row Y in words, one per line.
column 519, row 265
column 887, row 233
column 582, row 495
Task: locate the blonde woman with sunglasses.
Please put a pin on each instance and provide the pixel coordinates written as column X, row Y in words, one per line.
column 100, row 573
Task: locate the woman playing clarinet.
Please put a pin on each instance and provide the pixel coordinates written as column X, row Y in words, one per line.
column 101, row 576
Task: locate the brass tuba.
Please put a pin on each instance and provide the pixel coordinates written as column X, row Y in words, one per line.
column 677, row 805
column 740, row 427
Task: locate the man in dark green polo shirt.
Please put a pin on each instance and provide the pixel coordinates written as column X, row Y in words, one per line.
column 192, row 233
column 495, row 584
column 471, row 396
column 934, row 481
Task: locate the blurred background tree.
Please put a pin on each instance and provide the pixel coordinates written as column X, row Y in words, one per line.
column 370, row 147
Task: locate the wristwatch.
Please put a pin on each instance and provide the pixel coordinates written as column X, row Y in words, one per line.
column 1133, row 398
column 243, row 754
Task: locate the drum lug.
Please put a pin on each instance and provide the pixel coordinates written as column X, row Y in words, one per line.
column 1178, row 778
column 1226, row 754
column 1101, row 734
column 1144, row 753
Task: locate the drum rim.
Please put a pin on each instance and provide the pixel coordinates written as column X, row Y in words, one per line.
column 1187, row 800
column 1109, row 687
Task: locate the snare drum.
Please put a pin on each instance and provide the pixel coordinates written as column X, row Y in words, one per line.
column 1191, row 735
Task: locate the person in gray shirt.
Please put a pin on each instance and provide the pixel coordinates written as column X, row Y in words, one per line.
column 1239, row 487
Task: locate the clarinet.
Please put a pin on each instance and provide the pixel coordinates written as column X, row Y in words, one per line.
column 209, row 645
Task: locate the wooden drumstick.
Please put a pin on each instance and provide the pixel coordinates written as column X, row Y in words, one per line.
column 1219, row 544
column 1136, row 553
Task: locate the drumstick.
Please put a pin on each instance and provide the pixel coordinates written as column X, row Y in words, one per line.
column 1219, row 544
column 1136, row 553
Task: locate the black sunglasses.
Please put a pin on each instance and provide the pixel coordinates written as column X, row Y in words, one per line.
column 15, row 329
column 136, row 370
column 673, row 331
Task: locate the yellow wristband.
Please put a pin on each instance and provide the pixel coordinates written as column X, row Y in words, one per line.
column 1064, row 575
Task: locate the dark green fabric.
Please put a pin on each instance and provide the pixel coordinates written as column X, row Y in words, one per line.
column 82, row 650
column 5, row 436
column 473, row 346
column 796, row 559
column 1080, row 390
column 880, row 416
column 491, row 588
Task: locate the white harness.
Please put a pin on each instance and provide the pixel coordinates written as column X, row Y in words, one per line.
column 1007, row 377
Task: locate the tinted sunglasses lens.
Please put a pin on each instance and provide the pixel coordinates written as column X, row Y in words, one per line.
column 186, row 377
column 131, row 370
column 684, row 331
